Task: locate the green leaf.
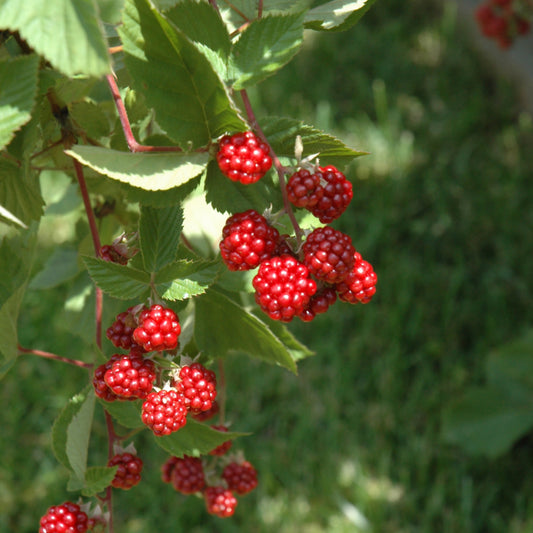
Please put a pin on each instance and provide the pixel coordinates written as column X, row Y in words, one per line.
column 97, row 479
column 227, row 196
column 217, row 320
column 282, row 132
column 189, row 98
column 127, row 414
column 66, row 32
column 110, row 10
column 120, row 281
column 511, row 365
column 159, row 235
column 16, row 259
column 194, row 439
column 149, row 171
column 265, row 46
column 184, row 279
column 20, row 197
column 487, row 421
column 61, row 266
column 18, row 88
column 91, row 118
column 336, row 15
column 71, row 432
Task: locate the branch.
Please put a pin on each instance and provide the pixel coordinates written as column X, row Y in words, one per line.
column 49, row 355
column 133, row 145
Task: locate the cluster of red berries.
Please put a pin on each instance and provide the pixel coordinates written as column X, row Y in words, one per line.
column 133, row 375
column 188, row 476
column 503, row 20
column 65, row 518
column 305, row 280
column 128, row 472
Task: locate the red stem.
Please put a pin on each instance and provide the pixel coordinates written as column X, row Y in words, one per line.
column 111, row 437
column 55, row 357
column 133, row 145
column 281, row 170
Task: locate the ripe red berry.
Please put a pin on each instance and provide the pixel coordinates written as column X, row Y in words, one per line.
column 64, row 518
column 360, row 284
column 202, row 416
column 328, row 254
column 320, row 302
column 164, row 411
column 129, row 470
column 304, row 188
column 240, row 477
column 188, row 475
column 247, row 240
column 243, row 157
column 337, row 194
column 158, row 329
column 220, row 501
column 198, row 386
column 283, row 287
column 120, row 333
column 223, row 448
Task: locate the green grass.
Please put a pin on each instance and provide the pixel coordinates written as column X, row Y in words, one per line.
column 442, row 208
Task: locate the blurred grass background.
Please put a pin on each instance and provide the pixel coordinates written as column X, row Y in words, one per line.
column 442, row 209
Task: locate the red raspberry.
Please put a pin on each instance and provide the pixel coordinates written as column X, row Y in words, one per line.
column 240, row 477
column 328, row 254
column 198, row 386
column 129, row 470
column 220, row 501
column 360, row 284
column 247, row 240
column 111, row 254
column 164, row 411
column 207, row 415
column 283, row 287
column 304, row 189
column 64, row 518
column 188, row 475
column 243, row 157
column 337, row 195
column 158, row 330
column 131, row 375
column 120, row 333
column 223, row 448
column 319, row 303
column 167, row 468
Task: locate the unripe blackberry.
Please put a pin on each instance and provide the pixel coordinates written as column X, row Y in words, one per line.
column 337, row 194
column 243, row 157
column 129, row 470
column 131, row 376
column 240, row 477
column 164, row 411
column 202, row 416
column 283, row 287
column 247, row 240
column 319, row 303
column 64, row 518
column 120, row 333
column 158, row 329
column 360, row 284
column 188, row 475
column 101, row 388
column 220, row 501
column 304, row 188
column 167, row 468
column 198, row 386
column 328, row 254
column 223, row 448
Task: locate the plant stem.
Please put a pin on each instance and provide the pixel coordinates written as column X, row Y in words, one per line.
column 55, row 357
column 281, row 170
column 111, row 437
column 133, row 145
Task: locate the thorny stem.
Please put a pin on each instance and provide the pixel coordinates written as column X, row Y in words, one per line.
column 281, row 170
column 55, row 357
column 221, row 391
column 260, row 9
column 133, row 145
